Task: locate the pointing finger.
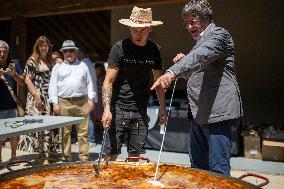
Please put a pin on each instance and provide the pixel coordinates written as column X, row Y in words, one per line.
column 155, row 84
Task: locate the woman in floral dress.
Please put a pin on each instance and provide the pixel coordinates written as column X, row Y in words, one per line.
column 37, row 75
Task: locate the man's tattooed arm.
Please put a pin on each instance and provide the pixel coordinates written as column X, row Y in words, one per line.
column 106, row 95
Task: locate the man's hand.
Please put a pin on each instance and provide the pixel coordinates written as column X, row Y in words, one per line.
column 56, row 109
column 91, row 105
column 178, row 57
column 164, row 81
column 106, row 118
column 11, row 71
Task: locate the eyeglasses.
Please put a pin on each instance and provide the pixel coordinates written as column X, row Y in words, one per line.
column 4, row 51
column 192, row 22
column 68, row 50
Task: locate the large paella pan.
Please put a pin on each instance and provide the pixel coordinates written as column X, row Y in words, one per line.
column 132, row 175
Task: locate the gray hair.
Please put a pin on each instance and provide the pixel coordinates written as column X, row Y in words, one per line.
column 200, row 8
column 4, row 44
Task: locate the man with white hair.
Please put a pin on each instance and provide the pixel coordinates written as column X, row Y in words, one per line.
column 71, row 91
column 125, row 89
column 10, row 77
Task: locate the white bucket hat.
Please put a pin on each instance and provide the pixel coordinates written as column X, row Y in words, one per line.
column 140, row 18
column 68, row 44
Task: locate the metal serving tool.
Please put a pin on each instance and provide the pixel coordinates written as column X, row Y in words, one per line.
column 97, row 166
column 155, row 181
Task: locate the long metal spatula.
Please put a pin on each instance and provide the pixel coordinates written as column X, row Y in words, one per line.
column 97, row 166
column 155, row 182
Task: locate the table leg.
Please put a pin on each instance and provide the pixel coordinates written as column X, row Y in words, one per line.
column 62, row 143
column 42, row 152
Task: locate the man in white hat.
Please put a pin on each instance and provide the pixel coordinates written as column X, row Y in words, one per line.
column 71, row 91
column 125, row 88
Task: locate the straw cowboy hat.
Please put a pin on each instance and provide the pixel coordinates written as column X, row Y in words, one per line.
column 68, row 44
column 140, row 18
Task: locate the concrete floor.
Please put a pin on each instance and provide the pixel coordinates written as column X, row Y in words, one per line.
column 274, row 171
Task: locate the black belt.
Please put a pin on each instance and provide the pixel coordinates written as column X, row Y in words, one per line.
column 74, row 98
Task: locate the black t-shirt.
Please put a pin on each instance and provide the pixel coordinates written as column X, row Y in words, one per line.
column 135, row 63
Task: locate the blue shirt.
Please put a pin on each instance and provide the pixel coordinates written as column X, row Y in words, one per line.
column 6, row 100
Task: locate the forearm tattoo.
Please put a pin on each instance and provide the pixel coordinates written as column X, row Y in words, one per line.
column 106, row 95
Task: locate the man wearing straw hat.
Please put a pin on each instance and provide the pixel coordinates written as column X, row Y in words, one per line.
column 212, row 88
column 125, row 88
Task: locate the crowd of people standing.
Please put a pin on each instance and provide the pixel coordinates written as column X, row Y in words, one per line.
column 40, row 95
